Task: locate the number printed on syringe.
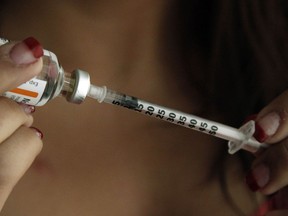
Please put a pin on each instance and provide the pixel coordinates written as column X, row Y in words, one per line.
column 177, row 118
column 170, row 115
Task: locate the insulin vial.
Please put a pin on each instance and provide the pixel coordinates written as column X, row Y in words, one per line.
column 50, row 83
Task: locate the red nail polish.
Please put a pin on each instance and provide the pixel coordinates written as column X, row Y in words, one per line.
column 26, row 52
column 267, row 126
column 38, row 132
column 34, row 46
column 260, row 134
column 251, row 182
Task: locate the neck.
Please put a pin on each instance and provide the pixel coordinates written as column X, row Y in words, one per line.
column 119, row 44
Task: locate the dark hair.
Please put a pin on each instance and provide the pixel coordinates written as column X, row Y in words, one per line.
column 245, row 47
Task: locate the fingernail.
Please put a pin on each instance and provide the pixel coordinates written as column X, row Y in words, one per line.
column 29, row 109
column 26, row 52
column 38, row 132
column 258, row 177
column 267, row 126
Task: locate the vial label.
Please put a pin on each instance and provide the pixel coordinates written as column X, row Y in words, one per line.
column 29, row 92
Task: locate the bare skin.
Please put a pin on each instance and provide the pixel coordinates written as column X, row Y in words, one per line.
column 104, row 160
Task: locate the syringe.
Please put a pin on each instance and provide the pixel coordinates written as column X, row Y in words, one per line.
column 75, row 86
column 238, row 138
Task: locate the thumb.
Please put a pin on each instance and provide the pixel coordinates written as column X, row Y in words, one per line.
column 272, row 121
column 19, row 62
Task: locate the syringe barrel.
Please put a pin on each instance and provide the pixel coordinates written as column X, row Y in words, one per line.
column 171, row 115
column 238, row 138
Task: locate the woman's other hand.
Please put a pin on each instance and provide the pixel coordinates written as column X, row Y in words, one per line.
column 19, row 142
column 270, row 168
column 269, row 173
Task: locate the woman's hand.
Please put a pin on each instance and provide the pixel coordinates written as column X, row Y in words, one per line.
column 19, row 142
column 269, row 172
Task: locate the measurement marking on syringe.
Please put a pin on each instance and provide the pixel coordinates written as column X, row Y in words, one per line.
column 179, row 119
column 170, row 116
column 238, row 138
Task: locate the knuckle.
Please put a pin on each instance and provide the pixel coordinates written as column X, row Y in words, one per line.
column 279, row 161
column 7, row 76
column 8, row 106
column 17, row 154
column 6, row 102
column 32, row 142
column 10, row 110
column 278, row 155
column 35, row 141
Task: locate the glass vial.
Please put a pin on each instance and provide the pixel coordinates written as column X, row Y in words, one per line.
column 50, row 83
